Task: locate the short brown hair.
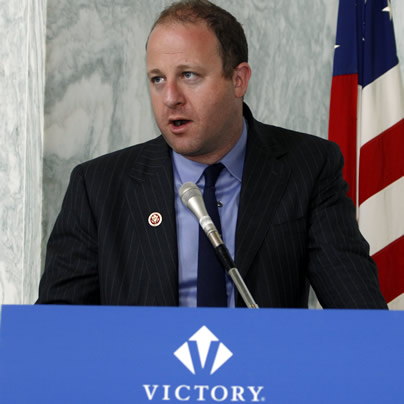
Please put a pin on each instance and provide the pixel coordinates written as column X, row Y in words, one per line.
column 233, row 47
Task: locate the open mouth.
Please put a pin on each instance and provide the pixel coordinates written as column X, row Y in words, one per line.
column 179, row 122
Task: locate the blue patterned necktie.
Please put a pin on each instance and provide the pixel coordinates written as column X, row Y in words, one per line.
column 211, row 285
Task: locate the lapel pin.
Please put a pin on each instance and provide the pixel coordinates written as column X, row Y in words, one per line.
column 155, row 219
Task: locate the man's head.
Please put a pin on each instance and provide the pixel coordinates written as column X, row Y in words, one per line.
column 197, row 80
column 233, row 47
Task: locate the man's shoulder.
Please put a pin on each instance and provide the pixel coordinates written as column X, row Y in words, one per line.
column 288, row 137
column 281, row 141
column 112, row 169
column 150, row 150
column 282, row 138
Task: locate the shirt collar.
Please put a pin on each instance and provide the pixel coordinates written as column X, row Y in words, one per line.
column 191, row 171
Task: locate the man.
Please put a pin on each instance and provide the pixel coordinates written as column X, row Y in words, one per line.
column 124, row 238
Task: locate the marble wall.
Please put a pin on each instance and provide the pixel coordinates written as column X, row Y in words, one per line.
column 96, row 98
column 22, row 56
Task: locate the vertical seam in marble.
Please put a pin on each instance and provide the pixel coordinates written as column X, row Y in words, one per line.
column 42, row 16
column 25, row 146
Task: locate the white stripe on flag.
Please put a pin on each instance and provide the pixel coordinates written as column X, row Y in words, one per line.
column 397, row 303
column 379, row 216
column 382, row 105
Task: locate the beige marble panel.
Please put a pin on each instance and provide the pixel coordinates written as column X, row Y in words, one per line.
column 22, row 28
column 12, row 152
column 35, row 92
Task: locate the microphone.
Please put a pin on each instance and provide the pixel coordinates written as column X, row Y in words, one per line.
column 191, row 197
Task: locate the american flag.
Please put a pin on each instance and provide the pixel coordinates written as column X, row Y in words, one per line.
column 367, row 121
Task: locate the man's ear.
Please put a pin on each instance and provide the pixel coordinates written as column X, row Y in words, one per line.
column 241, row 77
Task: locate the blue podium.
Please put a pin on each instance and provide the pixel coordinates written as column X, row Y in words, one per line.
column 85, row 354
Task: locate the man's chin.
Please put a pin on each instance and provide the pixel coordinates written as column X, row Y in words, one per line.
column 187, row 153
column 181, row 147
column 198, row 156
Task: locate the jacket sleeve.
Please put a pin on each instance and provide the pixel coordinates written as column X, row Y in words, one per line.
column 340, row 270
column 71, row 274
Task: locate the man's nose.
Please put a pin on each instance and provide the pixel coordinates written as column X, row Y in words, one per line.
column 173, row 96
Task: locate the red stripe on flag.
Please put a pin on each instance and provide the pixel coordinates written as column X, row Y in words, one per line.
column 390, row 263
column 342, row 124
column 381, row 161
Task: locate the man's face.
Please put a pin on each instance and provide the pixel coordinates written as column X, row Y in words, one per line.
column 198, row 111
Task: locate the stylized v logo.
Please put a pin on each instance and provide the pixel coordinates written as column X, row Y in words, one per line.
column 205, row 345
column 201, row 363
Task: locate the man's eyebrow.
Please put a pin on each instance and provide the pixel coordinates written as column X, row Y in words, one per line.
column 186, row 67
column 179, row 68
column 154, row 71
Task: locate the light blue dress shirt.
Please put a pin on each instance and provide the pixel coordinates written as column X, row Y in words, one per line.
column 228, row 188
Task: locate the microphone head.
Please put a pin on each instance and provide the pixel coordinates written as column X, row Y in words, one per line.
column 187, row 191
column 191, row 197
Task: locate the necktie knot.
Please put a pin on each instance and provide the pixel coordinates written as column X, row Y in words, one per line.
column 212, row 173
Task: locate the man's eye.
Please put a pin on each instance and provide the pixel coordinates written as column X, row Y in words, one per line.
column 156, row 80
column 189, row 75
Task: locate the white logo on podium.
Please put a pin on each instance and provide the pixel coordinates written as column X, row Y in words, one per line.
column 203, row 338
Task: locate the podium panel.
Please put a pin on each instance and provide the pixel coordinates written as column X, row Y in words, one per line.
column 87, row 354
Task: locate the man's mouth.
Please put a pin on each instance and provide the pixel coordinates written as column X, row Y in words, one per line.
column 179, row 122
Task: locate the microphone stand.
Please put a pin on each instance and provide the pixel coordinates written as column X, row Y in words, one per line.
column 224, row 257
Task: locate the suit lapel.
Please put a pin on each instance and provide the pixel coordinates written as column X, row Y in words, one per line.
column 264, row 181
column 151, row 189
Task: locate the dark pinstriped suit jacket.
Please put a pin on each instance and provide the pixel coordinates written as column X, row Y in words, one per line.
column 295, row 225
